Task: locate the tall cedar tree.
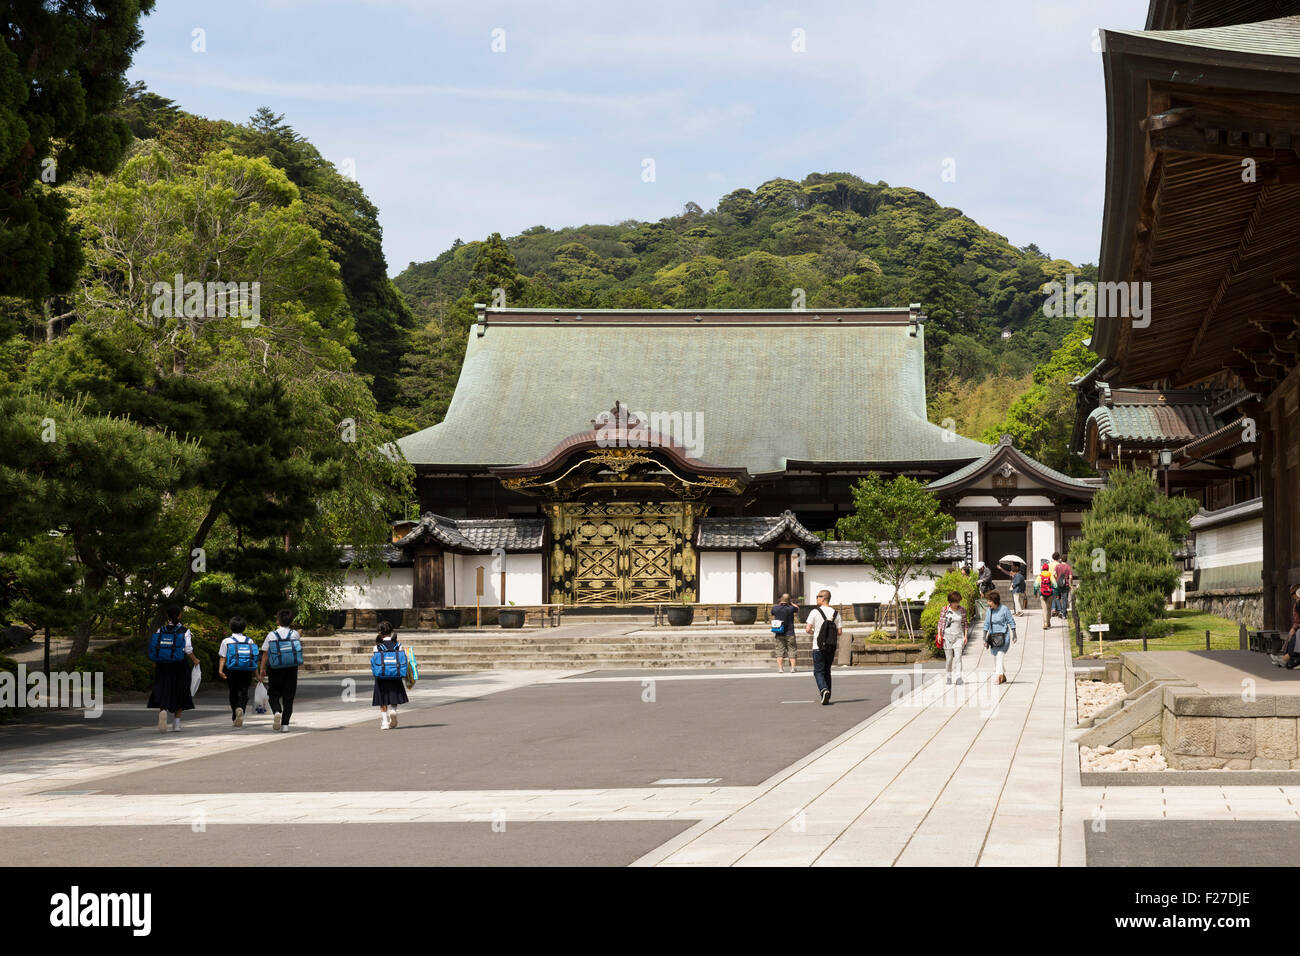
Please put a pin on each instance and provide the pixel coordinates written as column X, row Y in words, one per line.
column 62, row 65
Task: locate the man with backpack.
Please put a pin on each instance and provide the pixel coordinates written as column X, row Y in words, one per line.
column 281, row 656
column 1045, row 592
column 236, row 664
column 825, row 626
column 1064, row 575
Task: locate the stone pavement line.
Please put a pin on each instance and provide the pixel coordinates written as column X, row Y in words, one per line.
column 66, row 765
column 869, row 794
column 402, row 806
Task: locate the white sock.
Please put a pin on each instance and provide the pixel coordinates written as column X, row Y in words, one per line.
column 176, row 722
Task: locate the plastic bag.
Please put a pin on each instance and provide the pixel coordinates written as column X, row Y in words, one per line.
column 196, row 678
column 261, row 700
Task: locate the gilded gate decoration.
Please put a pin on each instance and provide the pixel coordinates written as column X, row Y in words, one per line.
column 623, row 552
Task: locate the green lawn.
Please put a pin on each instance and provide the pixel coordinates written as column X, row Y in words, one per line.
column 1187, row 633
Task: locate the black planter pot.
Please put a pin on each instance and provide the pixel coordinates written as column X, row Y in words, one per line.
column 804, row 611
column 338, row 619
column 511, row 617
column 913, row 611
column 679, row 615
column 866, row 612
column 448, row 618
column 393, row 616
column 743, row 614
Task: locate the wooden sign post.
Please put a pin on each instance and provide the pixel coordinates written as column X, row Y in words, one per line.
column 478, row 596
column 1099, row 629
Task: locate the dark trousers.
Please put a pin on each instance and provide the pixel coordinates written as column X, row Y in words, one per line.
column 239, row 682
column 281, row 685
column 822, row 661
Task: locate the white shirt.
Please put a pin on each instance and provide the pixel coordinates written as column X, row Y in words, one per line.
column 816, row 620
column 277, row 636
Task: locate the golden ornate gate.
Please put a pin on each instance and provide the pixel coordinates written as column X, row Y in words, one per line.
column 623, row 552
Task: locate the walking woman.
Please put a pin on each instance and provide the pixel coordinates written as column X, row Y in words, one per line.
column 390, row 678
column 953, row 628
column 999, row 634
column 171, row 648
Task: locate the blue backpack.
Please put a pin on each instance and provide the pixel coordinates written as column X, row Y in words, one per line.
column 167, row 644
column 389, row 664
column 283, row 652
column 241, row 655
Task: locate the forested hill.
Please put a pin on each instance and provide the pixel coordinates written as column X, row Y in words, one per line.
column 843, row 241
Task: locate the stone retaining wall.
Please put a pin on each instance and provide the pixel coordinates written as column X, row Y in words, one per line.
column 1243, row 605
column 1202, row 731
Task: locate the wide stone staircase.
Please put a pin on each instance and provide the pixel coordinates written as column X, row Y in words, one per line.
column 631, row 644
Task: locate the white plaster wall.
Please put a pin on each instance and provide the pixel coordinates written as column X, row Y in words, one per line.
column 449, row 579
column 1230, row 544
column 756, row 577
column 523, row 579
column 718, row 577
column 853, row 583
column 1043, row 535
column 392, row 589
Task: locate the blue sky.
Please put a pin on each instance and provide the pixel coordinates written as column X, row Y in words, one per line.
column 452, row 139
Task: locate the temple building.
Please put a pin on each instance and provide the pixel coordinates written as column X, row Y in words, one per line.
column 1202, row 202
column 633, row 458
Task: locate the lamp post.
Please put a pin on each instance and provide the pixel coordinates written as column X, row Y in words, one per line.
column 1166, row 460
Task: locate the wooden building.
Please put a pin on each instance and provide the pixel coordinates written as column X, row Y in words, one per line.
column 649, row 456
column 1202, row 205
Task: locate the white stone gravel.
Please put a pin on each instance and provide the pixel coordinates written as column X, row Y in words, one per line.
column 1092, row 695
column 1108, row 758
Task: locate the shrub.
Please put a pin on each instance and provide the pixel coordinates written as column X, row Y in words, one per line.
column 126, row 665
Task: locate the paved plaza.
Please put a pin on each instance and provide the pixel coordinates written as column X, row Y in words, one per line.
column 618, row 767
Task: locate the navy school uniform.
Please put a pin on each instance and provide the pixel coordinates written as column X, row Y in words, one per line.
column 171, row 683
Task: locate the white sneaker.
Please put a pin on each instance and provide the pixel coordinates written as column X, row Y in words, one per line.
column 162, row 721
column 392, row 719
column 239, row 716
column 276, row 720
column 176, row 727
column 383, row 720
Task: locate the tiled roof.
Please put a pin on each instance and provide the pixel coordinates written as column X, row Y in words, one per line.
column 390, row 554
column 752, row 533
column 746, row 391
column 1160, row 424
column 477, row 535
column 1242, row 511
column 1030, row 466
column 759, row 533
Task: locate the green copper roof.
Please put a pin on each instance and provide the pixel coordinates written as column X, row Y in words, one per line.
column 1280, row 37
column 763, row 388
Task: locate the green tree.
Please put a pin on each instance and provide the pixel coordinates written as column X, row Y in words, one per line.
column 62, row 65
column 898, row 527
column 1041, row 420
column 1124, row 561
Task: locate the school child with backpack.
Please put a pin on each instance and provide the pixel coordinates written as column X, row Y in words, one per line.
column 236, row 665
column 171, row 648
column 281, row 657
column 390, row 665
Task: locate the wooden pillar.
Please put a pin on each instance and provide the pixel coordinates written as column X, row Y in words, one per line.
column 737, row 577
